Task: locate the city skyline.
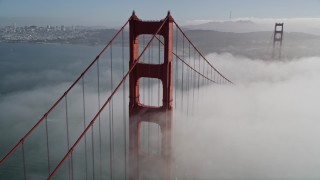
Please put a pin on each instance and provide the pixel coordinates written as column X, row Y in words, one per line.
column 114, row 13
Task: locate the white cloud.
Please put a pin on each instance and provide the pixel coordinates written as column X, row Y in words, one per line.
column 265, row 127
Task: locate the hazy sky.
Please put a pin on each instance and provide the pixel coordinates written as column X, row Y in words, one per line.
column 114, row 13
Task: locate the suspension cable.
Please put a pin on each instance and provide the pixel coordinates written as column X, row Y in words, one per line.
column 201, row 53
column 183, row 61
column 66, row 92
column 105, row 104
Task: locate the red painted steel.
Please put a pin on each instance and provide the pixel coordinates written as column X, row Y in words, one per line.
column 140, row 162
column 102, row 107
column 189, row 66
column 63, row 96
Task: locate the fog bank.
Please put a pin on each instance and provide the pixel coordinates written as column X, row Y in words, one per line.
column 265, row 127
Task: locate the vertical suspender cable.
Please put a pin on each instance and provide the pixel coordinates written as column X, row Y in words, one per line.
column 110, row 143
column 203, row 71
column 159, row 62
column 152, row 101
column 214, row 76
column 152, row 61
column 188, row 83
column 159, row 81
column 149, row 96
column 176, row 74
column 143, row 79
column 210, row 73
column 92, row 145
column 70, row 161
column 199, row 64
column 72, row 175
column 92, row 137
column 84, row 127
column 71, row 156
column 68, row 141
column 193, row 77
column 47, row 142
column 206, row 72
column 144, row 93
column 218, row 79
column 182, row 92
column 110, row 121
column 124, row 110
column 24, row 162
column 99, row 119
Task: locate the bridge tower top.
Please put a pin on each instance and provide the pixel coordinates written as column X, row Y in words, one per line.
column 277, row 40
column 161, row 71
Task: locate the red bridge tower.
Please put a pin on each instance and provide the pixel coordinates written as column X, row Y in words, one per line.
column 277, row 41
column 141, row 163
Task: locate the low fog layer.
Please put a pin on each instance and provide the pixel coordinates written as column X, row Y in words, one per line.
column 265, row 127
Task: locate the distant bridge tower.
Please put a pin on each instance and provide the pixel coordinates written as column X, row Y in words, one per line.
column 277, row 40
column 141, row 164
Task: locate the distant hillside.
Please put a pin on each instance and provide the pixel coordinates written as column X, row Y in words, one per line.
column 250, row 44
column 255, row 44
column 240, row 26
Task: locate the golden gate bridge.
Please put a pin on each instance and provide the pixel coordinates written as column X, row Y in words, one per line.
column 91, row 132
